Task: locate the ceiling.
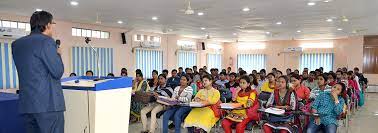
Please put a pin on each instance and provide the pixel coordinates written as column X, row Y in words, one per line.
column 224, row 20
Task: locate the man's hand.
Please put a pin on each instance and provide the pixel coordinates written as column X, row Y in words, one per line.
column 60, row 51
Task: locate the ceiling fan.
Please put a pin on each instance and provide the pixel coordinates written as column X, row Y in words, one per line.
column 189, row 10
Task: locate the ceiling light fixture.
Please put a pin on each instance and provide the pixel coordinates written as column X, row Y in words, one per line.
column 329, row 20
column 279, row 23
column 120, row 22
column 326, row 1
column 246, row 9
column 345, row 20
column 74, row 3
column 154, row 18
column 267, row 32
column 234, row 34
column 311, row 3
column 339, row 29
column 38, row 10
column 203, row 28
column 200, row 13
column 299, row 31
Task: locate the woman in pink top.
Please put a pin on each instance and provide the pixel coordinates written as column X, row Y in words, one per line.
column 303, row 93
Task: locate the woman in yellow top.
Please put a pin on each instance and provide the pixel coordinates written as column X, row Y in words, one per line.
column 204, row 117
column 270, row 84
column 247, row 97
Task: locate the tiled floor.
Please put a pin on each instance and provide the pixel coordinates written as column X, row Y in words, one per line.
column 365, row 120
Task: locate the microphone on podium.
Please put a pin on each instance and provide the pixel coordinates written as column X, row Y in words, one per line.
column 87, row 40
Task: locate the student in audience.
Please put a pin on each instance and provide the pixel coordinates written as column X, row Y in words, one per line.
column 278, row 73
column 89, row 73
column 254, row 72
column 180, row 72
column 154, row 108
column 361, row 77
column 242, row 73
column 318, row 72
column 138, row 71
column 357, row 79
column 232, row 83
column 263, row 73
column 192, row 83
column 140, row 84
column 322, row 86
column 154, row 81
column 204, row 117
column 123, row 72
column 221, row 86
column 260, row 81
column 269, row 86
column 311, row 83
column 344, row 69
column 229, row 70
column 174, row 80
column 353, row 85
column 182, row 93
column 247, row 96
column 205, row 68
column 339, row 76
column 197, row 77
column 165, row 72
column 283, row 98
column 224, row 70
column 72, row 74
column 274, row 70
column 321, row 69
column 136, row 106
column 302, row 92
column 240, row 69
column 288, row 71
column 296, row 71
column 110, row 75
column 329, row 105
column 331, row 79
column 195, row 70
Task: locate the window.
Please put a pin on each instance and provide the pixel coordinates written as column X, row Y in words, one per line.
column 90, row 33
column 214, row 61
column 15, row 24
column 148, row 60
column 6, row 24
column 251, row 62
column 313, row 61
column 186, row 59
column 9, row 78
column 84, row 59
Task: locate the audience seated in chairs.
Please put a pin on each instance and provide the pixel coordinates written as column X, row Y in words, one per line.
column 241, row 117
column 209, row 97
column 283, row 98
column 182, row 93
column 329, row 105
column 155, row 108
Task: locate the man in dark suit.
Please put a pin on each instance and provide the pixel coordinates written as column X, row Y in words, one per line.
column 40, row 68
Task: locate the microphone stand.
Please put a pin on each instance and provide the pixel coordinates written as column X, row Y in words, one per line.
column 97, row 60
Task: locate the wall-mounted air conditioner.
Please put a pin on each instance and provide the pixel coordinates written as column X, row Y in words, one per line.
column 149, row 44
column 293, row 49
column 12, row 33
